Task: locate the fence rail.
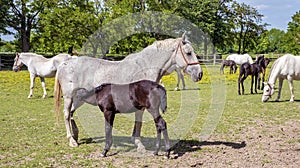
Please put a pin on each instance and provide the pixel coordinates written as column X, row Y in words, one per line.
column 7, row 59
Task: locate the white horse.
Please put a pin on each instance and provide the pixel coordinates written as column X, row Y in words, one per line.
column 285, row 67
column 78, row 78
column 179, row 76
column 240, row 59
column 38, row 66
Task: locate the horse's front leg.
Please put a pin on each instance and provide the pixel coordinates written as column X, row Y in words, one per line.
column 255, row 84
column 109, row 121
column 280, row 82
column 290, row 79
column 44, row 87
column 136, row 133
column 32, row 80
column 180, row 77
column 161, row 126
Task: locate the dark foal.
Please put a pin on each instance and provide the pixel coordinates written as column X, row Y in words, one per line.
column 229, row 63
column 254, row 70
column 128, row 98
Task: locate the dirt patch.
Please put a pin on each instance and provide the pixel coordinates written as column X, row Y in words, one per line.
column 258, row 145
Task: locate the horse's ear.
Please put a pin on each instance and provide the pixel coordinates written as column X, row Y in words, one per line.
column 184, row 38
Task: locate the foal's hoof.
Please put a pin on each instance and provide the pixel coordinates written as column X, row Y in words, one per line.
column 103, row 154
column 44, row 96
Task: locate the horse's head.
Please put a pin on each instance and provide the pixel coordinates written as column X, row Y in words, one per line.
column 17, row 63
column 268, row 92
column 186, row 59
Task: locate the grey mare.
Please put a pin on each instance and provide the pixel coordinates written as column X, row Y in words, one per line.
column 76, row 79
column 39, row 66
column 285, row 67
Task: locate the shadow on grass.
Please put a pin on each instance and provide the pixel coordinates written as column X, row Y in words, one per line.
column 179, row 147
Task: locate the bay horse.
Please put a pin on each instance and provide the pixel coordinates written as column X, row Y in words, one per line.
column 231, row 64
column 240, row 59
column 39, row 66
column 285, row 67
column 77, row 78
column 254, row 70
column 128, row 98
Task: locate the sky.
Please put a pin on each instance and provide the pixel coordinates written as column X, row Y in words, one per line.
column 277, row 13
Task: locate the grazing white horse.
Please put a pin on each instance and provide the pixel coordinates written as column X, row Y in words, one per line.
column 240, row 59
column 77, row 78
column 39, row 66
column 285, row 67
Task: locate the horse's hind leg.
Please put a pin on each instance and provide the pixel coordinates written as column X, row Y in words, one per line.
column 32, row 79
column 67, row 118
column 136, row 133
column 109, row 121
column 44, row 87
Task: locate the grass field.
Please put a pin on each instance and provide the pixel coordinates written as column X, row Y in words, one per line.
column 248, row 132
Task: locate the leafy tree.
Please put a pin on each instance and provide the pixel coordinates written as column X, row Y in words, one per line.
column 292, row 37
column 248, row 26
column 21, row 15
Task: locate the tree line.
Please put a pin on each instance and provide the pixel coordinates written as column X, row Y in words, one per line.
column 56, row 25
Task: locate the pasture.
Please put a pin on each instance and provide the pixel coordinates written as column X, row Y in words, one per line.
column 249, row 134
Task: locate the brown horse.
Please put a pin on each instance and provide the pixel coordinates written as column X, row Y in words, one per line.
column 133, row 97
column 229, row 63
column 254, row 70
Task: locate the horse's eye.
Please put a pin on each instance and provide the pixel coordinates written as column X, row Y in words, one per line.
column 267, row 90
column 189, row 53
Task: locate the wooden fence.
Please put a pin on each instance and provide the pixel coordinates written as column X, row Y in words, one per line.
column 7, row 59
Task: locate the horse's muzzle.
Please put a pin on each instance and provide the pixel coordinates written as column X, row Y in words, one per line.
column 200, row 75
column 16, row 69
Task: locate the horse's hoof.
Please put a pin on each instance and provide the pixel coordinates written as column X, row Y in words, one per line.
column 141, row 149
column 155, row 153
column 73, row 143
column 177, row 89
column 44, row 96
column 103, row 154
column 29, row 96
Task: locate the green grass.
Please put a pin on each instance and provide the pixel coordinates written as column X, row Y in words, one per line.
column 31, row 138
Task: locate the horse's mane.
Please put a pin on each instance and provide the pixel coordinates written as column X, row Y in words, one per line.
column 273, row 67
column 163, row 45
column 40, row 57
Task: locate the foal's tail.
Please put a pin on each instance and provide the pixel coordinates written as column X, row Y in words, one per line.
column 57, row 97
column 163, row 99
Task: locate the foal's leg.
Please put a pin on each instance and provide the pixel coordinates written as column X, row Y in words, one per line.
column 136, row 133
column 109, row 121
column 280, row 82
column 161, row 126
column 32, row 79
column 44, row 87
column 67, row 118
column 290, row 79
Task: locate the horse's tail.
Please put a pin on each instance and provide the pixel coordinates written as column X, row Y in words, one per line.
column 57, row 97
column 163, row 99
